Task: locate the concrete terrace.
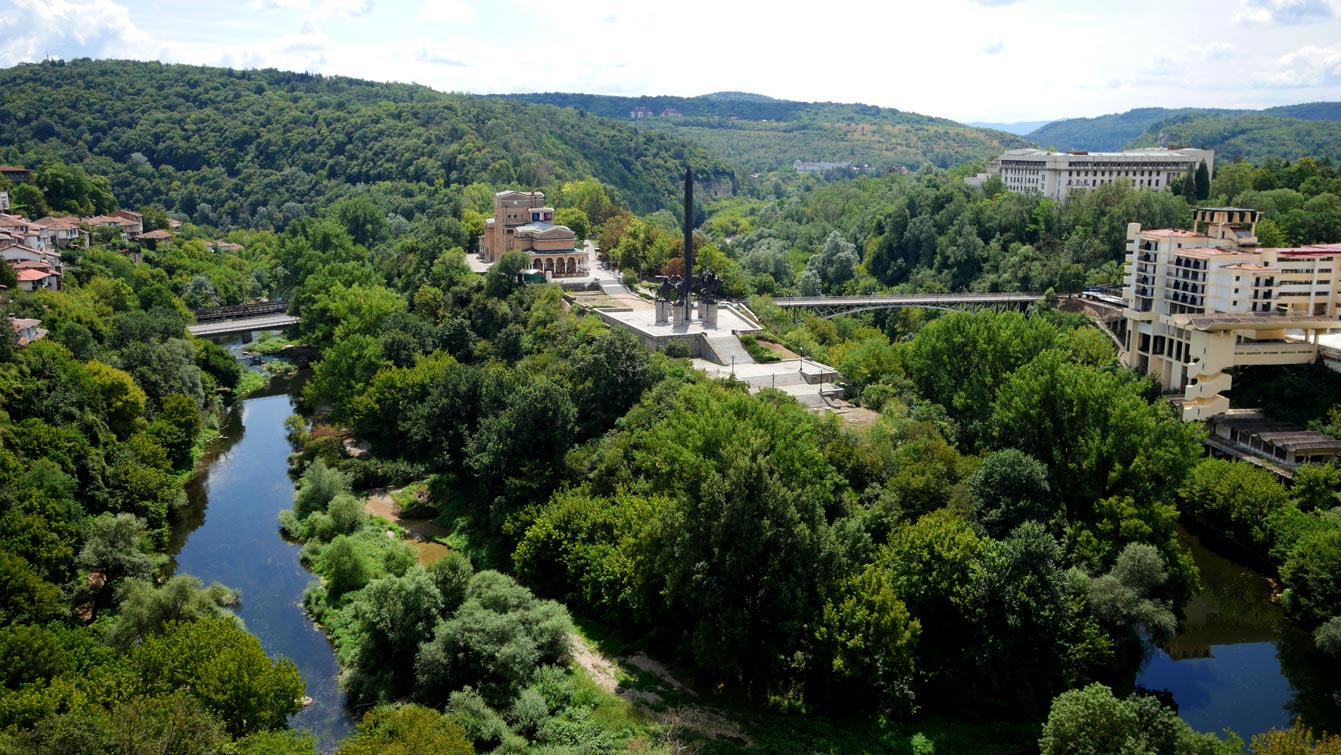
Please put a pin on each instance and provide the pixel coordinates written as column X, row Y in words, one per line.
column 717, row 351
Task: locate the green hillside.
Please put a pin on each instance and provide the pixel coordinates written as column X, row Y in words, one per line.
column 766, row 134
column 1107, row 133
column 1142, row 127
column 256, row 147
column 1309, row 111
column 1253, row 137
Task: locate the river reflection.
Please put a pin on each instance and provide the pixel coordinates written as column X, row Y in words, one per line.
column 1237, row 661
column 229, row 533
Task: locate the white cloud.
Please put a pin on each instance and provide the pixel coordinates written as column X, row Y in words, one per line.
column 1284, row 12
column 1308, row 67
column 993, row 3
column 996, row 48
column 345, row 9
column 72, row 28
column 442, row 54
column 267, row 5
column 447, row 12
column 1214, row 51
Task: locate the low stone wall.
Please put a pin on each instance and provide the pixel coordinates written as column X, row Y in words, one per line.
column 697, row 343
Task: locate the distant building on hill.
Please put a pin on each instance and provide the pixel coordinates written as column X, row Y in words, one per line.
column 1202, row 301
column 522, row 221
column 17, row 174
column 1056, row 174
column 805, row 166
column 640, row 113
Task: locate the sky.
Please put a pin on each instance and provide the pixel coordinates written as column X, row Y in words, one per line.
column 970, row 60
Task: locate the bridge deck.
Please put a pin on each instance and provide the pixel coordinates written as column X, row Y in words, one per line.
column 943, row 301
column 268, row 322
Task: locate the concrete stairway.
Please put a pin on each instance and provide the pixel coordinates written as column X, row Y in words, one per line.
column 727, row 350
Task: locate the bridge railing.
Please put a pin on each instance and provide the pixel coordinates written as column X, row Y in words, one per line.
column 239, row 311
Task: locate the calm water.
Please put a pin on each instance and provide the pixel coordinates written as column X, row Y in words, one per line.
column 1238, row 662
column 230, row 534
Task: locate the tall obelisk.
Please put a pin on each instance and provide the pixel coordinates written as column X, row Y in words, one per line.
column 688, row 242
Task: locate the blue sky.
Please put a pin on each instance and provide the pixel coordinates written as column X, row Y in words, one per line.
column 994, row 60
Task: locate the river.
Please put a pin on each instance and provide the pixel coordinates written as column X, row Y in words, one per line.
column 229, row 533
column 1238, row 662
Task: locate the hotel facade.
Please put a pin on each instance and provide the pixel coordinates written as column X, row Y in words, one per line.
column 1056, row 174
column 1202, row 301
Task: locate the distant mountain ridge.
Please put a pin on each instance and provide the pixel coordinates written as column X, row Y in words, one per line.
column 1019, row 128
column 766, row 134
column 1120, row 130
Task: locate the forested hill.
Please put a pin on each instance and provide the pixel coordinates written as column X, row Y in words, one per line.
column 1252, row 137
column 1142, row 127
column 244, row 144
column 1106, row 133
column 767, row 134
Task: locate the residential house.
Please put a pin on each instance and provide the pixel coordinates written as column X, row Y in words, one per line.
column 27, row 330
column 25, row 232
column 152, row 238
column 33, row 278
column 14, row 253
column 128, row 227
column 64, row 232
column 640, row 112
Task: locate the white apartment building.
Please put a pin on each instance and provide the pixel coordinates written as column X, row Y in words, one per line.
column 1056, row 174
column 1202, row 301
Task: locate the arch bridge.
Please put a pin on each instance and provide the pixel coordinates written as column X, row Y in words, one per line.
column 832, row 306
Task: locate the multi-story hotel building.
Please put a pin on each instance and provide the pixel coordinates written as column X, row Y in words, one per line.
column 1057, row 174
column 522, row 221
column 1202, row 301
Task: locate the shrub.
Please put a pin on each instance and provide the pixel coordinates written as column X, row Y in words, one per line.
column 758, row 352
column 1328, row 637
column 320, row 484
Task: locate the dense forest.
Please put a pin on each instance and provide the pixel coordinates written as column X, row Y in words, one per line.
column 764, row 134
column 259, row 148
column 1253, row 137
column 102, row 421
column 1142, row 127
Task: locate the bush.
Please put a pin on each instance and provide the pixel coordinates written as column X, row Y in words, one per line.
column 676, row 350
column 493, row 643
column 1328, row 637
column 452, row 576
column 758, row 352
column 377, row 473
column 320, row 484
column 1312, row 576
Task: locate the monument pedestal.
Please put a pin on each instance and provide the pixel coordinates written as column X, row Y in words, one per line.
column 663, row 311
column 682, row 314
column 707, row 312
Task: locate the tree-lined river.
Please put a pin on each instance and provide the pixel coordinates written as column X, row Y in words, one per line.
column 230, row 534
column 1237, row 663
